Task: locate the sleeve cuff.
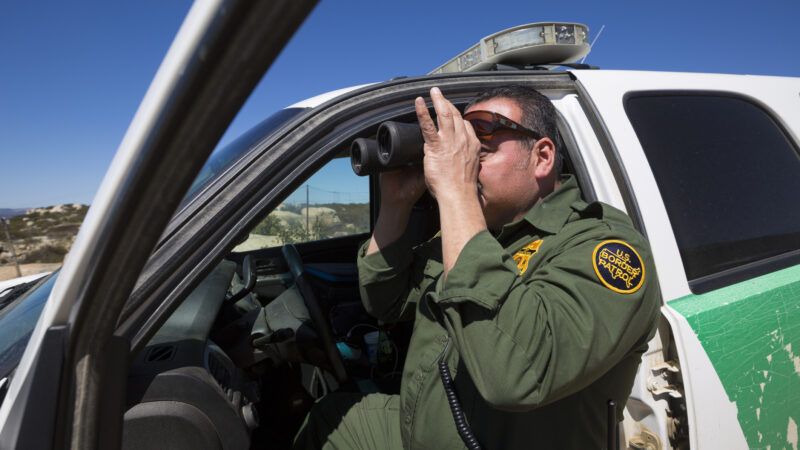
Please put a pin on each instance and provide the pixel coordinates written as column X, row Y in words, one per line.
column 385, row 263
column 483, row 274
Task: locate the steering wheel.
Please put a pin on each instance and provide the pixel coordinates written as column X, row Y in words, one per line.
column 295, row 263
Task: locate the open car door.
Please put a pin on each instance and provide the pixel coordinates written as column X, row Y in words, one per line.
column 69, row 387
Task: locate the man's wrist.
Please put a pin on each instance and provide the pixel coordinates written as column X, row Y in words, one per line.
column 461, row 219
column 396, row 207
column 458, row 195
column 390, row 226
column 394, row 213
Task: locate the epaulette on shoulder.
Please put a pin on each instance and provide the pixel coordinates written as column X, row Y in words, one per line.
column 589, row 210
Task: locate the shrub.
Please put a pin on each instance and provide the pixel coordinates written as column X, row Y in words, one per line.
column 46, row 254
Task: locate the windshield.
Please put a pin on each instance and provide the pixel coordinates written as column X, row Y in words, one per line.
column 224, row 157
column 17, row 321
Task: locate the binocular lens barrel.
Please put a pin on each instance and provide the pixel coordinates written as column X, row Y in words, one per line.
column 398, row 144
column 364, row 157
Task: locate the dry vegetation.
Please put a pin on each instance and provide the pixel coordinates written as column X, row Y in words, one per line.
column 293, row 223
column 41, row 237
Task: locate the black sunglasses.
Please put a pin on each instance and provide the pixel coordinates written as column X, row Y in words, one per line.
column 487, row 123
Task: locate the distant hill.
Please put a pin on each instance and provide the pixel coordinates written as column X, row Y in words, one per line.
column 7, row 213
column 45, row 235
column 42, row 235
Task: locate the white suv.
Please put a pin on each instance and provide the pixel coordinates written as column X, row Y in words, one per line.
column 161, row 328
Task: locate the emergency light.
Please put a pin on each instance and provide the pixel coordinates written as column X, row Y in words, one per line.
column 537, row 43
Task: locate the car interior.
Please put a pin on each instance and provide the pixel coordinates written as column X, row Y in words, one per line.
column 275, row 326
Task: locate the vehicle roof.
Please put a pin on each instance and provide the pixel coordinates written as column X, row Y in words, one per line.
column 317, row 100
column 683, row 76
column 727, row 80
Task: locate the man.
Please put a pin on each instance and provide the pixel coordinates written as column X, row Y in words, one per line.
column 540, row 304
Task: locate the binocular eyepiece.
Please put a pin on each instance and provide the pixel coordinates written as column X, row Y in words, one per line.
column 396, row 145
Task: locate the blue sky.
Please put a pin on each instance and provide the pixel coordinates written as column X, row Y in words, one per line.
column 73, row 73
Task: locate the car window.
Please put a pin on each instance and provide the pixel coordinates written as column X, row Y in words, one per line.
column 729, row 176
column 224, row 157
column 334, row 202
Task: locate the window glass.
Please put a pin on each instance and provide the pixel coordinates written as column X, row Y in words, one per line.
column 224, row 157
column 728, row 174
column 17, row 321
column 334, row 202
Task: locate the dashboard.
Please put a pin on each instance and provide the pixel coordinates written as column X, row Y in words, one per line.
column 183, row 390
column 224, row 363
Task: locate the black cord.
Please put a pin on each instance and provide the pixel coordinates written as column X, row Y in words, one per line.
column 612, row 429
column 458, row 414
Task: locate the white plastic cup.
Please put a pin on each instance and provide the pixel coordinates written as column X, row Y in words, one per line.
column 371, row 340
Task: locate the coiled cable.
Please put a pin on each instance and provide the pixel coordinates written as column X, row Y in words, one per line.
column 455, row 407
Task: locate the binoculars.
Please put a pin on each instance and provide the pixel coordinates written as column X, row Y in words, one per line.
column 396, row 145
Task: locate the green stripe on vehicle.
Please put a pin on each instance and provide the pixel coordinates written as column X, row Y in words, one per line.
column 751, row 333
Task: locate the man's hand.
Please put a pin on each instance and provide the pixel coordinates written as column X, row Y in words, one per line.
column 451, row 152
column 451, row 173
column 402, row 188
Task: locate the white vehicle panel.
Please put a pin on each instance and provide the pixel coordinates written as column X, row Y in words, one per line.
column 779, row 94
column 591, row 152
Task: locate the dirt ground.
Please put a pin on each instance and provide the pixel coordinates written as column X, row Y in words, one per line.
column 9, row 271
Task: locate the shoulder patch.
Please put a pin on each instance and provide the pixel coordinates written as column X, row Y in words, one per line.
column 524, row 255
column 618, row 266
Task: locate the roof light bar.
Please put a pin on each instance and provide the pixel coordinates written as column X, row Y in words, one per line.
column 531, row 44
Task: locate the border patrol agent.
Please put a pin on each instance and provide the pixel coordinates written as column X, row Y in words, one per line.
column 540, row 304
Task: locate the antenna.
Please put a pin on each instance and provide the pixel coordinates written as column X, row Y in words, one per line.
column 593, row 41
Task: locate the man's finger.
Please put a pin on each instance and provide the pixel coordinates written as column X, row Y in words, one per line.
column 444, row 115
column 456, row 112
column 429, row 132
column 458, row 122
column 472, row 137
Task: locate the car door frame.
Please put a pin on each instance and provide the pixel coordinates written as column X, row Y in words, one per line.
column 69, row 388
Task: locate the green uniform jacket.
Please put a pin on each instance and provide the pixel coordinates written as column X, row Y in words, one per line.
column 541, row 325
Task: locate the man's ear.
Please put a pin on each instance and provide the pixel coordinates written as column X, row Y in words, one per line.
column 545, row 156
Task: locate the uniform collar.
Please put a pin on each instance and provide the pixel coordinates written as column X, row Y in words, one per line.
column 552, row 212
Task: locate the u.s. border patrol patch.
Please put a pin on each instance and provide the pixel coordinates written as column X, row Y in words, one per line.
column 524, row 255
column 618, row 266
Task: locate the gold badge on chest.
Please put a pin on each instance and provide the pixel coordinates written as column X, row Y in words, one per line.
column 523, row 255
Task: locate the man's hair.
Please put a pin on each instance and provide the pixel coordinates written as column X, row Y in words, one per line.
column 538, row 113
